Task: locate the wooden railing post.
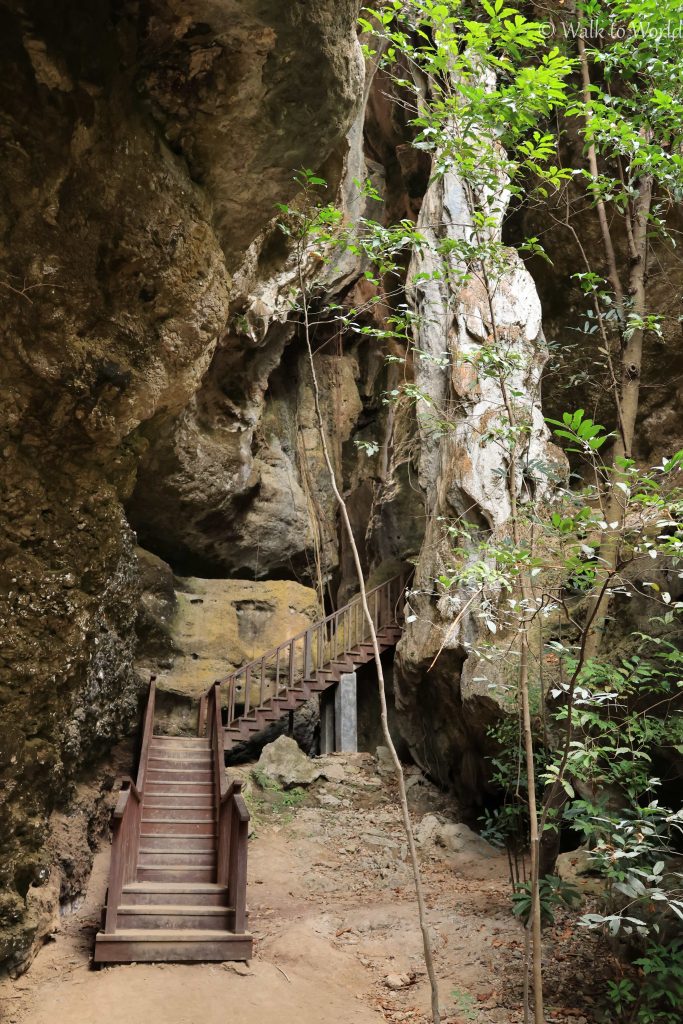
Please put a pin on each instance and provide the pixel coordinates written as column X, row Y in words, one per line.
column 126, row 821
column 307, row 654
column 201, row 717
column 239, row 839
column 247, row 689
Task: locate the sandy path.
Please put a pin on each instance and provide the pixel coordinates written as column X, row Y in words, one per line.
column 333, row 915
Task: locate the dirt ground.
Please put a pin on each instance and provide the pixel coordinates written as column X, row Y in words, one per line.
column 334, row 917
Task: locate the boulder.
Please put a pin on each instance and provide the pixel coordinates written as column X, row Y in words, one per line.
column 285, row 763
column 443, row 838
column 219, row 625
column 578, row 867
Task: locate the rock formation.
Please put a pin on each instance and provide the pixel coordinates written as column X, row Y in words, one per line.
column 159, row 445
column 143, row 151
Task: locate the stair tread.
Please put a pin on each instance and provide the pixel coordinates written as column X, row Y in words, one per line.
column 159, row 887
column 176, row 821
column 177, row 865
column 169, row 935
column 172, row 849
column 194, row 740
column 178, row 835
column 178, row 782
column 183, row 761
column 175, row 806
column 173, row 909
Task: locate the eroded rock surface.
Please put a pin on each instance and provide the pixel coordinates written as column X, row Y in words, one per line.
column 446, row 692
column 142, row 151
column 215, row 627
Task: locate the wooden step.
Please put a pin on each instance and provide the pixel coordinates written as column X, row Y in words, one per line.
column 143, row 945
column 177, row 779
column 180, row 760
column 294, row 699
column 156, row 788
column 182, row 811
column 176, row 873
column 173, row 916
column 317, row 685
column 179, row 800
column 193, row 893
column 170, row 857
column 242, row 728
column 187, row 821
column 187, row 842
column 173, row 751
column 181, row 741
column 200, row 774
column 262, row 718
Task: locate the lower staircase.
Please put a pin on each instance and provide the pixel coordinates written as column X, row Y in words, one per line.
column 178, row 877
column 177, row 883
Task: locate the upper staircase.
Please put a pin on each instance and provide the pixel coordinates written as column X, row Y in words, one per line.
column 284, row 678
column 178, row 876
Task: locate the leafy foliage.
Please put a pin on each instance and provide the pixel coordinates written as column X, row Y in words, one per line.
column 554, row 892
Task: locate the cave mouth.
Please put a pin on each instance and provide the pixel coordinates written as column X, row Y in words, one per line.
column 184, row 562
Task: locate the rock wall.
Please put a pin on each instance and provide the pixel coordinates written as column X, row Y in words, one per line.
column 143, row 148
column 155, row 391
column 447, row 692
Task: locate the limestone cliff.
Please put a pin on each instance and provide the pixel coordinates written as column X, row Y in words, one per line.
column 143, row 148
column 155, row 392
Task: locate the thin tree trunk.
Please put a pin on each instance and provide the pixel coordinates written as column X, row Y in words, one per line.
column 403, row 800
column 534, row 922
column 631, row 365
column 631, row 369
column 527, row 595
column 612, row 272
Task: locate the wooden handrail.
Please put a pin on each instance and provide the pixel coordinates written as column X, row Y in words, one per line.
column 217, row 745
column 241, row 809
column 126, row 822
column 346, row 625
column 305, row 653
column 147, row 731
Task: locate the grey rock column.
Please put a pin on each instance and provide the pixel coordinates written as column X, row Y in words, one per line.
column 346, row 715
column 327, row 720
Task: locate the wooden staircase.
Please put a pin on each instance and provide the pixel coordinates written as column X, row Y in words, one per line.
column 286, row 677
column 177, row 883
column 178, row 876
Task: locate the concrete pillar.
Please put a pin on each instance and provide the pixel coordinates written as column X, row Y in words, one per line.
column 346, row 715
column 326, row 701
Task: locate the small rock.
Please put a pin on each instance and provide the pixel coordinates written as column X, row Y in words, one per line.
column 237, row 967
column 397, row 981
column 385, row 765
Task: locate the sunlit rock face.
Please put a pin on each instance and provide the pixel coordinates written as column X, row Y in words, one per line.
column 143, row 149
column 447, row 693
